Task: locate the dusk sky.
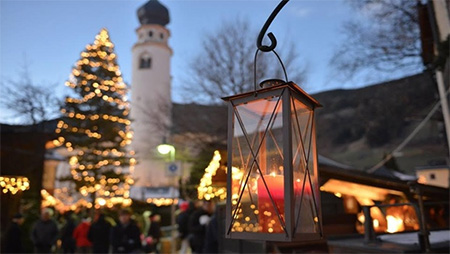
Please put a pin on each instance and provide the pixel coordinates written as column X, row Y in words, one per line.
column 51, row 34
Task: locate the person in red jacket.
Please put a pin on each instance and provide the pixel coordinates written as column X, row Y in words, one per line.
column 80, row 234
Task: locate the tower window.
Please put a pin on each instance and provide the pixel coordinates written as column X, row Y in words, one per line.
column 150, row 34
column 145, row 63
column 161, row 35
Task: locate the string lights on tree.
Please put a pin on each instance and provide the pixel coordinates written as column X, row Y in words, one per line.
column 14, row 184
column 95, row 128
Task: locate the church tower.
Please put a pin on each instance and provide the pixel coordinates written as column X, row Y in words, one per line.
column 151, row 95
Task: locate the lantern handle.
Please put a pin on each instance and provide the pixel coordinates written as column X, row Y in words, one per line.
column 254, row 68
column 273, row 40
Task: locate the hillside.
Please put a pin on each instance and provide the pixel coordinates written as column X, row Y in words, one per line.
column 355, row 127
column 359, row 126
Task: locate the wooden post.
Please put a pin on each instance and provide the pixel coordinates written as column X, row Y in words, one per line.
column 369, row 233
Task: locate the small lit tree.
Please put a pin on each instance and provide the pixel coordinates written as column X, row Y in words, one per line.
column 95, row 129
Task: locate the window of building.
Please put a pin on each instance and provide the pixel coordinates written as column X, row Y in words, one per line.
column 145, row 62
column 432, row 176
column 161, row 35
column 150, row 34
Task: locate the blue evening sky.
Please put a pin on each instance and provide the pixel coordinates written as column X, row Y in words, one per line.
column 51, row 34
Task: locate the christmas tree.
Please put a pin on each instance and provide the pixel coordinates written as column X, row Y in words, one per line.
column 95, row 128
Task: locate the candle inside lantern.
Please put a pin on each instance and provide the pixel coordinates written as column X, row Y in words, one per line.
column 268, row 219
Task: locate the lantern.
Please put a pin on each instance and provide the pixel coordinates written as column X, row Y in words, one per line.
column 272, row 180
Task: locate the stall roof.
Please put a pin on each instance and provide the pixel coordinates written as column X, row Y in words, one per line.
column 345, row 175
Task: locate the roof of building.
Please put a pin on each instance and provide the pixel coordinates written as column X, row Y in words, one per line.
column 153, row 12
column 196, row 118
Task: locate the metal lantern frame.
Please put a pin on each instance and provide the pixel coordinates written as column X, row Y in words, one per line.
column 275, row 120
column 286, row 93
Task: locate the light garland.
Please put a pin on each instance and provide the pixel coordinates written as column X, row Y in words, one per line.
column 62, row 206
column 162, row 201
column 14, row 184
column 206, row 190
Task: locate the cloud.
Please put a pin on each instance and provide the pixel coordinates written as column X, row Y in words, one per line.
column 301, row 12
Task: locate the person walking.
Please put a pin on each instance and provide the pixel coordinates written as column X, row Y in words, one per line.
column 183, row 226
column 13, row 236
column 154, row 234
column 67, row 242
column 99, row 234
column 197, row 226
column 80, row 234
column 125, row 236
column 211, row 244
column 45, row 232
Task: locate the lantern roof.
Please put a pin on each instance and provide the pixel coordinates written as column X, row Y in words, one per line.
column 291, row 85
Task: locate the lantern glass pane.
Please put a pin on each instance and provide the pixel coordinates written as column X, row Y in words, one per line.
column 257, row 158
column 306, row 212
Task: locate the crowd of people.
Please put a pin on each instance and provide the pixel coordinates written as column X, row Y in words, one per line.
column 81, row 233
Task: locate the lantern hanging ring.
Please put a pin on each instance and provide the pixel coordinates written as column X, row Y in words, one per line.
column 263, row 31
column 273, row 40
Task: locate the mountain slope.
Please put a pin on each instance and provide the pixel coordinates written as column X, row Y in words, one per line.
column 359, row 126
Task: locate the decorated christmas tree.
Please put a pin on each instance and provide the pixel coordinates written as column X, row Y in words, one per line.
column 95, row 128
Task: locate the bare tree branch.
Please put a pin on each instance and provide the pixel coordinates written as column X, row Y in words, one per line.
column 225, row 66
column 31, row 102
column 385, row 39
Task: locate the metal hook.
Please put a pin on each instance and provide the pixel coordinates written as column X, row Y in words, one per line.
column 263, row 31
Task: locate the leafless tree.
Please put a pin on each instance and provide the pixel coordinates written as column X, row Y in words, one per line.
column 383, row 37
column 30, row 102
column 157, row 117
column 225, row 65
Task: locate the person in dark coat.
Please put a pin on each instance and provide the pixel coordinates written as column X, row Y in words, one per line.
column 211, row 244
column 154, row 233
column 99, row 234
column 44, row 233
column 67, row 241
column 13, row 236
column 183, row 225
column 197, row 226
column 125, row 236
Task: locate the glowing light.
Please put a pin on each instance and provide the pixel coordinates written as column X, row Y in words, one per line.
column 101, row 201
column 14, row 184
column 205, row 189
column 376, row 223
column 394, row 224
column 162, row 201
column 165, row 148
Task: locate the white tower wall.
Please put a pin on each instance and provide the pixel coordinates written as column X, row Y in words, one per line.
column 151, row 103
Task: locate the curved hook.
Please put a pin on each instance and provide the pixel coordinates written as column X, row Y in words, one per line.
column 263, row 31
